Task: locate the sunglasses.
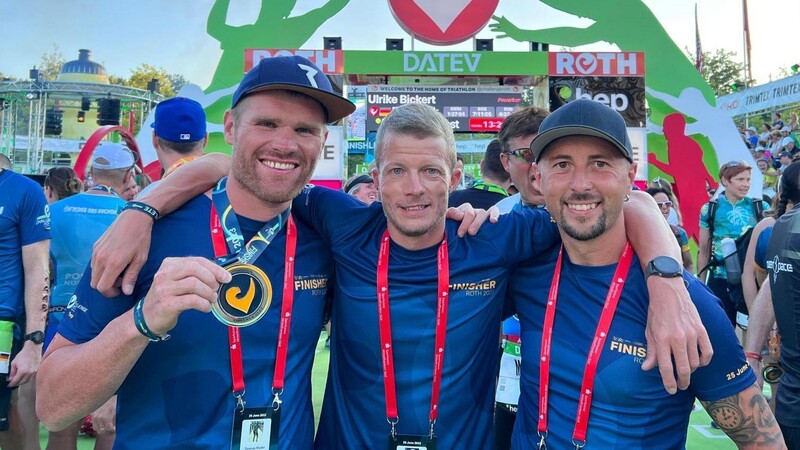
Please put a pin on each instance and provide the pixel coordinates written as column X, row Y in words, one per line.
column 524, row 154
column 663, row 204
column 735, row 164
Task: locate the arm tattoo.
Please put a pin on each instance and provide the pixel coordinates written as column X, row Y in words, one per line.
column 747, row 419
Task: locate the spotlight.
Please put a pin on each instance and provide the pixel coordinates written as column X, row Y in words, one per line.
column 795, row 68
column 81, row 116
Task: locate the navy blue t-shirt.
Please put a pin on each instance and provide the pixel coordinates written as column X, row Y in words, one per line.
column 630, row 407
column 179, row 393
column 354, row 410
column 24, row 220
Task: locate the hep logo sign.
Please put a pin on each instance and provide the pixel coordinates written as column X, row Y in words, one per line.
column 442, row 22
column 626, row 64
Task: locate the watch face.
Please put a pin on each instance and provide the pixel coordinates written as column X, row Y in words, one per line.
column 667, row 266
column 37, row 337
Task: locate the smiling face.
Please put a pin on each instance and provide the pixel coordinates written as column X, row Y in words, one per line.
column 584, row 181
column 414, row 179
column 367, row 193
column 737, row 186
column 277, row 137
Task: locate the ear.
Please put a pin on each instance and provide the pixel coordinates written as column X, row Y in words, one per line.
column 632, row 176
column 537, row 177
column 375, row 174
column 155, row 141
column 455, row 178
column 504, row 161
column 227, row 122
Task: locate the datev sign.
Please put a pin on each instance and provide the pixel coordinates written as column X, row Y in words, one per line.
column 441, row 22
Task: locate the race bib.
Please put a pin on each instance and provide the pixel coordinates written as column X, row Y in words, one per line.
column 508, row 380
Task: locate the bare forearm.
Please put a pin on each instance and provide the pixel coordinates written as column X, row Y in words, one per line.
column 647, row 230
column 762, row 316
column 192, row 180
column 747, row 419
column 63, row 393
column 37, row 284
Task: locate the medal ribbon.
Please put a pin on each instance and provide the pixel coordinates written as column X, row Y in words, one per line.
column 104, row 188
column 234, row 240
column 178, row 164
column 590, row 370
column 384, row 321
column 221, row 245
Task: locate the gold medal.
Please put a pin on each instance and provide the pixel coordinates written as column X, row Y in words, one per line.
column 245, row 299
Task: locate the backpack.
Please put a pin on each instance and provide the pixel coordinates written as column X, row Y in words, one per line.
column 735, row 291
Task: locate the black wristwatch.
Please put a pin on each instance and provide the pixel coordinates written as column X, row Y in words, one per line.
column 663, row 266
column 37, row 337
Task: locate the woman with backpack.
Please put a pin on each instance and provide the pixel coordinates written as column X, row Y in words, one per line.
column 731, row 215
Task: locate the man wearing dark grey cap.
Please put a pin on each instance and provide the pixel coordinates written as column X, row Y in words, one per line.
column 185, row 378
column 584, row 346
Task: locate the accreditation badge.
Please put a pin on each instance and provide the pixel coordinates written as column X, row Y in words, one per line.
column 255, row 429
column 245, row 299
column 508, row 379
column 411, row 442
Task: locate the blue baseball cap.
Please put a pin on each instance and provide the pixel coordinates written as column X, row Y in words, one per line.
column 298, row 74
column 583, row 118
column 180, row 119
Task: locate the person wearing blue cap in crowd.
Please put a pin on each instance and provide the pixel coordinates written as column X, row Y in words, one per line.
column 183, row 378
column 583, row 312
column 179, row 132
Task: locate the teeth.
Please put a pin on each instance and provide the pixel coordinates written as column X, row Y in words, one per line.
column 582, row 207
column 277, row 165
column 415, row 208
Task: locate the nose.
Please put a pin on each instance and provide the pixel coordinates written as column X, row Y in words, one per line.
column 284, row 139
column 414, row 186
column 580, row 180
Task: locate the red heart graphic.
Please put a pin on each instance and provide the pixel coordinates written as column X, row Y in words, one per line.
column 373, row 111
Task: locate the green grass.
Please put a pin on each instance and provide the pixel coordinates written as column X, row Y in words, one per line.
column 700, row 434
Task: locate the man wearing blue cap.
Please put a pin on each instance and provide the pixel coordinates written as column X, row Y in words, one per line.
column 184, row 379
column 582, row 383
column 179, row 132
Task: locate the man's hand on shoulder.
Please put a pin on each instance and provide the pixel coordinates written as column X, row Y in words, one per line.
column 472, row 219
column 120, row 253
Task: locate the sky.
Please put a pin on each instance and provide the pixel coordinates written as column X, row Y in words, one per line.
column 172, row 33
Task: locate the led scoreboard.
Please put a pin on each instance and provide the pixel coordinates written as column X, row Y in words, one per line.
column 479, row 109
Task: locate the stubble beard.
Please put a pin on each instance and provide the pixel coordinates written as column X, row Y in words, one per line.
column 245, row 174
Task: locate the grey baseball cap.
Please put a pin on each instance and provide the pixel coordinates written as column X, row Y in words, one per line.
column 583, row 118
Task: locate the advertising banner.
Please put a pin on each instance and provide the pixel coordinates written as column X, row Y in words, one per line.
column 587, row 64
column 468, row 108
column 767, row 96
column 623, row 94
column 330, row 61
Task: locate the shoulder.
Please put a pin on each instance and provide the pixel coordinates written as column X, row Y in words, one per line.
column 507, row 204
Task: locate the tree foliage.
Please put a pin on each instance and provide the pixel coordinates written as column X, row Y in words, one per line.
column 50, row 64
column 142, row 74
column 722, row 71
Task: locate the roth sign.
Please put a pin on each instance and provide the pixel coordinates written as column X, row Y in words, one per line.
column 590, row 64
column 330, row 61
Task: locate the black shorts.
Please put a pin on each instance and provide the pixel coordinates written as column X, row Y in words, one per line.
column 6, row 391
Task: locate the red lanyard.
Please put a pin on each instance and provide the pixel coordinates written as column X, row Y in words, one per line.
column 237, row 366
column 590, row 370
column 443, row 268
